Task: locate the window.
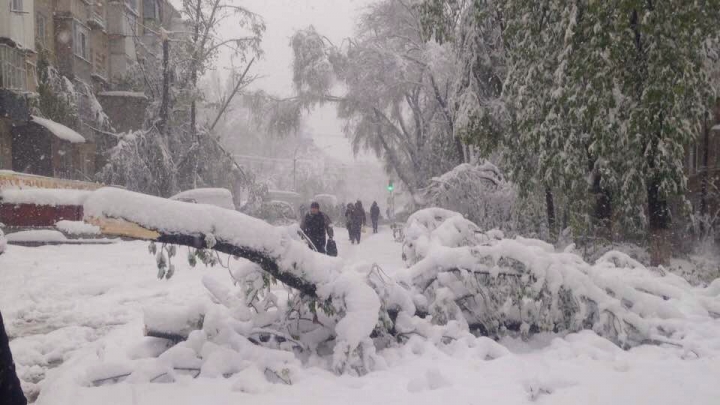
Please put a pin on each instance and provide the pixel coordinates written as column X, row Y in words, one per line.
column 17, row 5
column 150, row 10
column 41, row 29
column 80, row 43
column 12, row 69
column 131, row 4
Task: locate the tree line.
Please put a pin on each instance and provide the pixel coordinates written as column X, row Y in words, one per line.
column 587, row 106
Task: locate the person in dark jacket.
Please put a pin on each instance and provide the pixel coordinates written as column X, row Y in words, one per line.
column 10, row 390
column 315, row 225
column 358, row 221
column 349, row 219
column 375, row 216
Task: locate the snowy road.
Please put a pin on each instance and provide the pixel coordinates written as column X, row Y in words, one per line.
column 66, row 307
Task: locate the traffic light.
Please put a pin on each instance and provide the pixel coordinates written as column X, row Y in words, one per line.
column 390, row 186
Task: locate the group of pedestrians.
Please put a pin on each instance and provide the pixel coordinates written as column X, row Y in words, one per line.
column 356, row 218
column 317, row 224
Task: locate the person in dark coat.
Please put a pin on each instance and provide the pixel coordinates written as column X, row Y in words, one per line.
column 349, row 219
column 315, row 225
column 10, row 390
column 375, row 216
column 359, row 220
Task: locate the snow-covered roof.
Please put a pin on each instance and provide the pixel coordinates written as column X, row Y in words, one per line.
column 218, row 197
column 44, row 196
column 59, row 130
column 122, row 94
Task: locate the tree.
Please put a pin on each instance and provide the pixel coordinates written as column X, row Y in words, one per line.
column 397, row 84
column 579, row 107
column 175, row 152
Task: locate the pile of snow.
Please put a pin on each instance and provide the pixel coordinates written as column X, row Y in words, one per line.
column 77, row 228
column 40, row 235
column 3, row 242
column 59, row 130
column 44, row 196
column 219, row 197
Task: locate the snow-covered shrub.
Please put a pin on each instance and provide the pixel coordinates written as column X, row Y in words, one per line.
column 482, row 195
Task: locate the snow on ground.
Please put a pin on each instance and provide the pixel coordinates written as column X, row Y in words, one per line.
column 36, row 235
column 66, row 307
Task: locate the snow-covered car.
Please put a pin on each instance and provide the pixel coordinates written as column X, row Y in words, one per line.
column 278, row 212
column 219, row 197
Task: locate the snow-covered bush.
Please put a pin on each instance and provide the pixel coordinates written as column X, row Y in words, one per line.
column 481, row 194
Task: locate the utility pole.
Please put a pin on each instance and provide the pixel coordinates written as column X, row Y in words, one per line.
column 165, row 102
column 294, row 169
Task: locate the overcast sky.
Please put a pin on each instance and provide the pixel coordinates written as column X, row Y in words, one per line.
column 332, row 18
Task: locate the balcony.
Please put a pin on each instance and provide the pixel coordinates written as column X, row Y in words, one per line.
column 96, row 21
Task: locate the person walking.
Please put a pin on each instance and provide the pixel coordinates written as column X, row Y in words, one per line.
column 375, row 216
column 359, row 220
column 316, row 224
column 349, row 220
column 10, row 390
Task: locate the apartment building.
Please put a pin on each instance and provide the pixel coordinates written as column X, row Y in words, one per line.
column 17, row 70
column 92, row 44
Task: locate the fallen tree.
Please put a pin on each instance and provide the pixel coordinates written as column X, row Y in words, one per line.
column 461, row 282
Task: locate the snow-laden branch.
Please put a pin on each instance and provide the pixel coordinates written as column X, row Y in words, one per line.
column 467, row 280
column 288, row 260
column 496, row 285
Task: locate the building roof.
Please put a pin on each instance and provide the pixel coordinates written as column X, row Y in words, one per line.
column 59, row 130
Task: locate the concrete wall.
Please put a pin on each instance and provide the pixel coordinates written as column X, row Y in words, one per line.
column 126, row 113
column 64, row 55
column 18, row 26
column 120, row 32
column 45, row 9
